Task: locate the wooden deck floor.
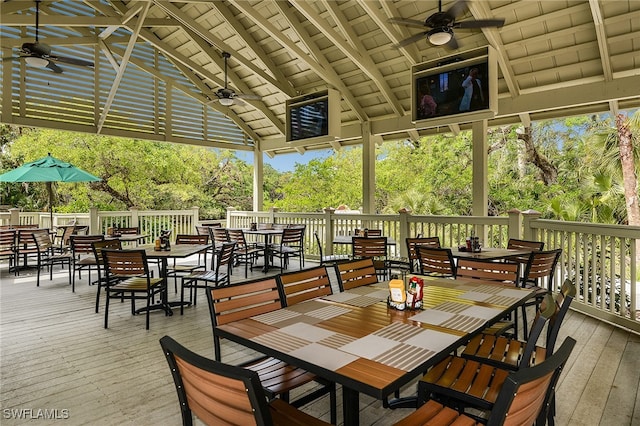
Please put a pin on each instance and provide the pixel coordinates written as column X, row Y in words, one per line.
column 55, row 355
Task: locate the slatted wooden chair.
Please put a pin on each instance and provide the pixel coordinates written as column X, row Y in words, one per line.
column 524, row 398
column 374, row 232
column 374, row 248
column 507, row 273
column 219, row 236
column 245, row 253
column 356, row 273
column 63, row 241
column 538, row 274
column 255, row 297
column 8, row 249
column 222, row 394
column 130, row 230
column 26, row 247
column 331, row 259
column 177, row 270
column 204, row 230
column 83, row 257
column 291, row 245
column 97, row 247
column 414, row 263
column 128, row 277
column 218, row 275
column 460, row 382
column 506, row 352
column 46, row 254
column 436, row 262
column 307, row 284
column 516, row 244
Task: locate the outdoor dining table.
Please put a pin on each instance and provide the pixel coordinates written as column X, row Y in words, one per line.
column 489, row 253
column 178, row 251
column 354, row 339
column 268, row 234
column 348, row 239
column 137, row 238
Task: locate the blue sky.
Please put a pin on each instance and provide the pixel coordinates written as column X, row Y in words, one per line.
column 287, row 162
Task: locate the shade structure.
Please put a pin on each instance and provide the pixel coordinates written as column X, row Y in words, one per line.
column 48, row 169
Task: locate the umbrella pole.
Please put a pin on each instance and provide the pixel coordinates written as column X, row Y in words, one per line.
column 50, row 190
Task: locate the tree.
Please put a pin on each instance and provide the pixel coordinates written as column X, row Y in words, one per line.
column 620, row 157
column 145, row 174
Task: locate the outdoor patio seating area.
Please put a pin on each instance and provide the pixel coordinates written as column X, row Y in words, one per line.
column 57, row 356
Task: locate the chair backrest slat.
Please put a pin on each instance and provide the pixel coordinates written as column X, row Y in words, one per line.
column 216, row 393
column 83, row 244
column 191, row 239
column 356, row 273
column 7, row 240
column 504, row 272
column 240, row 301
column 525, row 394
column 219, row 235
column 436, row 261
column 42, row 239
column 298, row 286
column 292, row 236
column 362, row 247
column 515, row 243
column 541, row 265
column 125, row 263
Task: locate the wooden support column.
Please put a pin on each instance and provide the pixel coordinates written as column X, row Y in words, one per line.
column 258, row 180
column 368, row 170
column 480, row 178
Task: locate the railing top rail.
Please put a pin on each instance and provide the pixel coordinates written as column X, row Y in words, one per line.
column 621, row 231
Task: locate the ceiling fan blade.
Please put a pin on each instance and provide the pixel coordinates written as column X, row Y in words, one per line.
column 481, row 23
column 412, row 39
column 247, row 96
column 53, row 67
column 37, row 48
column 458, row 9
column 239, row 102
column 407, row 22
column 452, row 44
column 72, row 61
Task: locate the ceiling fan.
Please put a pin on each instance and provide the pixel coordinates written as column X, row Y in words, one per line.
column 441, row 25
column 226, row 95
column 39, row 54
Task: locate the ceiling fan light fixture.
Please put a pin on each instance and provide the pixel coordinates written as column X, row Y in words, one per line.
column 226, row 101
column 37, row 62
column 440, row 37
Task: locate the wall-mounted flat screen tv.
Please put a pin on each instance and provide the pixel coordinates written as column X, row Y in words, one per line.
column 313, row 116
column 456, row 89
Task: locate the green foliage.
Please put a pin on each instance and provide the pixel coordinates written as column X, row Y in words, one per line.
column 148, row 175
column 432, row 176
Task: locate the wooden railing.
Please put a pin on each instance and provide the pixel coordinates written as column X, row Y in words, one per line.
column 602, row 260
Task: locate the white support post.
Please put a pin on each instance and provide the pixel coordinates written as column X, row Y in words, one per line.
column 480, row 174
column 258, row 180
column 368, row 170
column 515, row 224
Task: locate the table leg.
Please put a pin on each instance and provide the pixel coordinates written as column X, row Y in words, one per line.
column 164, row 304
column 350, row 406
column 267, row 242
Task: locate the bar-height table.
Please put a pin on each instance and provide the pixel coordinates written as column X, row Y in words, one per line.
column 354, row 339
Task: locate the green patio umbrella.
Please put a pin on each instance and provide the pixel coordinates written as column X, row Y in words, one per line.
column 48, row 169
